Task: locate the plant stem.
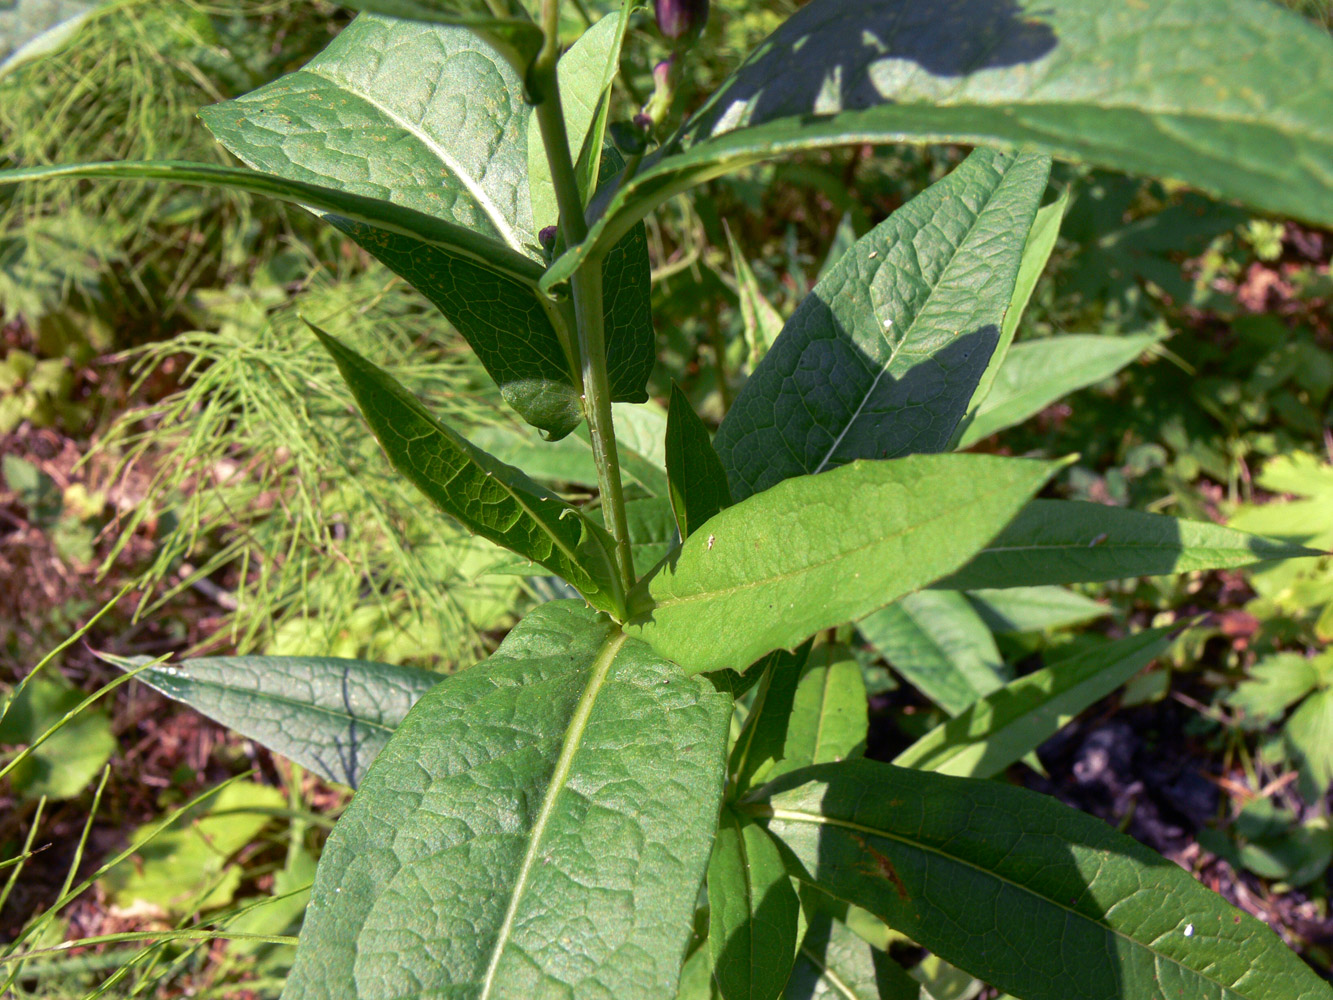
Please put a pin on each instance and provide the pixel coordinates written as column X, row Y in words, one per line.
column 586, row 284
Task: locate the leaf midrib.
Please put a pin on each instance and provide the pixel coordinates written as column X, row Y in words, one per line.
column 578, row 724
column 479, row 195
column 818, row 819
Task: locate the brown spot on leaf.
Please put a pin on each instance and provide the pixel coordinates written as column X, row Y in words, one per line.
column 883, row 867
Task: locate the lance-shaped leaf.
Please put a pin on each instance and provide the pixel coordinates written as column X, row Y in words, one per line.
column 762, row 741
column 1033, row 609
column 817, row 551
column 539, row 825
column 1038, row 372
column 1134, row 87
column 29, row 28
column 1007, row 724
column 939, row 644
column 430, row 117
column 331, row 716
column 882, row 358
column 1069, row 541
column 695, row 476
column 1027, row 877
column 834, row 963
column 490, row 498
column 753, row 912
column 505, row 26
column 762, row 322
column 829, row 715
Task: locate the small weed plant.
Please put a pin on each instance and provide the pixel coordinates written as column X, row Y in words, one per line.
column 657, row 788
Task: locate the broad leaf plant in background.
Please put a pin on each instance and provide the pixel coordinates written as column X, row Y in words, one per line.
column 656, row 788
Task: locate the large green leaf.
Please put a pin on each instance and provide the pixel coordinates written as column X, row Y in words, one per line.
column 1068, row 541
column 29, row 28
column 1007, row 724
column 505, row 25
column 1196, row 90
column 695, row 477
column 1056, row 905
column 332, row 716
column 1038, row 372
column 835, row 964
column 753, row 912
column 817, row 551
column 430, row 117
column 936, row 640
column 881, row 359
column 538, row 826
column 490, row 498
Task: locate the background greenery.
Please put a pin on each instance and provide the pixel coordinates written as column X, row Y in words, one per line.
column 159, row 434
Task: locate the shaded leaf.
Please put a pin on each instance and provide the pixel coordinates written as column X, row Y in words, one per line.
column 834, row 963
column 1005, row 725
column 539, row 825
column 762, row 322
column 828, row 713
column 1039, row 372
column 1109, row 918
column 817, row 551
column 331, row 716
column 1034, row 609
column 1130, row 87
column 882, row 358
column 1069, row 541
column 937, row 642
column 763, row 740
column 490, row 498
column 753, row 912
column 695, row 476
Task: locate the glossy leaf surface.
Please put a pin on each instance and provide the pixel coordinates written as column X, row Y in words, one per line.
column 490, row 498
column 936, row 640
column 818, row 551
column 330, row 715
column 432, row 118
column 1026, row 876
column 1039, row 372
column 834, row 963
column 538, row 826
column 882, row 358
column 1007, row 724
column 1133, row 87
column 695, row 476
column 1070, row 541
column 753, row 912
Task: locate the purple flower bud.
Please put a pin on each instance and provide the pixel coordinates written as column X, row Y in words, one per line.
column 547, row 238
column 679, row 19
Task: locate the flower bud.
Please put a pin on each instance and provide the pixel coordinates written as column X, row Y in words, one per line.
column 547, row 238
column 681, row 19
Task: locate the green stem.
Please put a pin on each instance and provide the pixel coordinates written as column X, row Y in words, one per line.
column 586, row 285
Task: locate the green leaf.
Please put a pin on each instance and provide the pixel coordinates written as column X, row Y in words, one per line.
column 31, row 28
column 489, row 498
column 1069, row 541
column 1034, row 609
column 429, row 117
column 1195, row 90
column 1039, row 372
column 695, row 476
column 585, row 73
column 331, row 716
column 881, row 359
column 539, row 825
column 652, row 530
column 1036, row 254
column 763, row 740
column 828, row 715
column 515, row 36
column 817, row 551
column 1309, row 736
column 762, row 322
column 1276, row 683
column 1109, row 918
column 835, row 964
column 753, row 912
column 1007, row 724
column 938, row 643
column 62, row 766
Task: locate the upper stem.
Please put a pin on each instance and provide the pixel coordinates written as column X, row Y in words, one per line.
column 586, row 285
